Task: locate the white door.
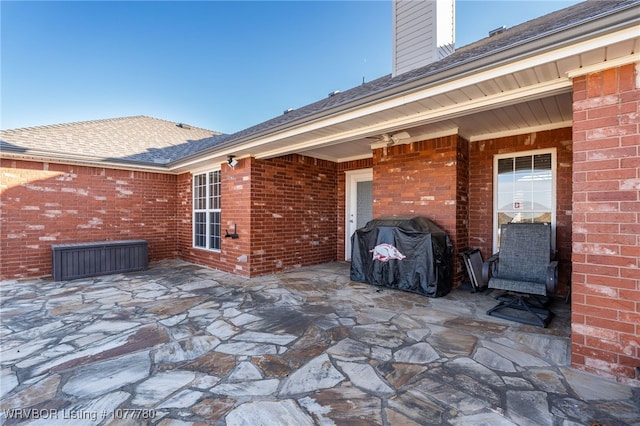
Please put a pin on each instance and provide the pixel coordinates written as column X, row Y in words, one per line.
column 359, row 203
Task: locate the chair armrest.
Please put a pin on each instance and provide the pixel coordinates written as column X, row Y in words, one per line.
column 552, row 277
column 488, row 266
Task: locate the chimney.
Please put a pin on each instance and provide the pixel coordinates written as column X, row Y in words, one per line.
column 423, row 32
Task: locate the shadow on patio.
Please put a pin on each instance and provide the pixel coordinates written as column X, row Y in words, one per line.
column 181, row 344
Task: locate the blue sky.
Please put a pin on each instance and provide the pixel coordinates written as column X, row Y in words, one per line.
column 218, row 65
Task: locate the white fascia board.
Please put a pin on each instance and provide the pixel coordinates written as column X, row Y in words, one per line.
column 613, row 63
column 353, row 158
column 382, row 144
column 80, row 160
column 417, row 138
column 458, row 83
column 208, row 162
column 519, row 131
column 335, row 159
column 472, row 106
column 507, row 69
column 530, row 60
column 211, row 166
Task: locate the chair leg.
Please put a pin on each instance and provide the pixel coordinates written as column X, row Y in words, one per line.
column 538, row 302
column 539, row 315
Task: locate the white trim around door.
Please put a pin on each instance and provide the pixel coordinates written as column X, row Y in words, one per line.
column 352, row 179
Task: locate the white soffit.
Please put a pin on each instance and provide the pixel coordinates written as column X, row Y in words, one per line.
column 473, row 79
column 282, row 146
column 513, row 132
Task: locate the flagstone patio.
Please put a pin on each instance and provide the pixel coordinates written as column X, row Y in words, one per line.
column 181, row 344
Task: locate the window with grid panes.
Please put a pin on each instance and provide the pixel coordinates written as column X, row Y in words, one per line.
column 207, row 210
column 524, row 190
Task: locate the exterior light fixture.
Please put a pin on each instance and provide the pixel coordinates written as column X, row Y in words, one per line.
column 231, row 161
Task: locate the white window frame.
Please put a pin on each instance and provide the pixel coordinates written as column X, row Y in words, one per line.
column 212, row 205
column 554, row 178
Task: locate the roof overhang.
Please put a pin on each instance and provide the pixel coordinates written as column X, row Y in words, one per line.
column 524, row 88
column 517, row 90
column 82, row 160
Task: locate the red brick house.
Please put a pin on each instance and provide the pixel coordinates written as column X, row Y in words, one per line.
column 556, row 100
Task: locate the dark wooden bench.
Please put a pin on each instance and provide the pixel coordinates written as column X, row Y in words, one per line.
column 80, row 260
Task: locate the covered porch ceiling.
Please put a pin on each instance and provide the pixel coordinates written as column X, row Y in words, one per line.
column 534, row 115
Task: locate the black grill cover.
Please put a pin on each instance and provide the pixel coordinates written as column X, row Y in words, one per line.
column 427, row 267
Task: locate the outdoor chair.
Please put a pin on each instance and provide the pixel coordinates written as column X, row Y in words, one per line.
column 472, row 259
column 524, row 269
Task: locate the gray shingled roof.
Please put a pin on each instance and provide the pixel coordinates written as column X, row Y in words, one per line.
column 138, row 139
column 158, row 142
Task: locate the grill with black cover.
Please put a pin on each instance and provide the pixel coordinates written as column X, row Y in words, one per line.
column 426, row 267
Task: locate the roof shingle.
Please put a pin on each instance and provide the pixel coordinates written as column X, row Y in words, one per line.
column 137, row 139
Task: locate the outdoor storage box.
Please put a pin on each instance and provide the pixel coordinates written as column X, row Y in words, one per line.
column 79, row 260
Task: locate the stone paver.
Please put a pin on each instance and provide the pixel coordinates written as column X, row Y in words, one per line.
column 181, row 344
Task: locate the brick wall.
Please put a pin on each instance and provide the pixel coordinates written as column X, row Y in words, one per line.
column 417, row 179
column 606, row 230
column 421, row 179
column 235, row 210
column 284, row 209
column 481, row 154
column 45, row 204
column 293, row 209
column 237, row 214
column 461, row 241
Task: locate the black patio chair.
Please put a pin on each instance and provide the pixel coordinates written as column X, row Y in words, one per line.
column 472, row 259
column 524, row 269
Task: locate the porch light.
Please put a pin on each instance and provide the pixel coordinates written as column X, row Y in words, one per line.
column 231, row 161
